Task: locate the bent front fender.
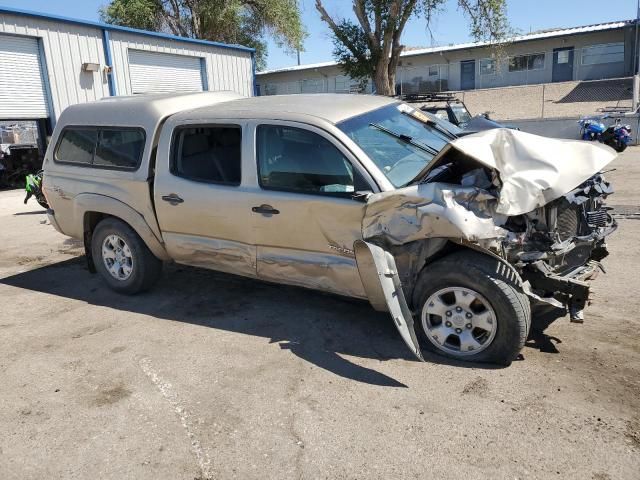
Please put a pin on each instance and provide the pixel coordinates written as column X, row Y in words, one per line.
column 379, row 275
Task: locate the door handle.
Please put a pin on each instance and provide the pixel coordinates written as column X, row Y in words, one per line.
column 173, row 199
column 265, row 210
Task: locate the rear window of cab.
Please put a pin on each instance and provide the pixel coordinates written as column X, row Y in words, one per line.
column 118, row 148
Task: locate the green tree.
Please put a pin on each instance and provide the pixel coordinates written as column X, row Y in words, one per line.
column 243, row 22
column 371, row 47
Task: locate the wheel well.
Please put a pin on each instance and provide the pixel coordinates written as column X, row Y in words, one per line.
column 427, row 254
column 90, row 221
column 448, row 249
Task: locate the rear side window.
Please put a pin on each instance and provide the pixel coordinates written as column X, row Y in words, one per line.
column 209, row 154
column 119, row 148
column 77, row 146
column 115, row 148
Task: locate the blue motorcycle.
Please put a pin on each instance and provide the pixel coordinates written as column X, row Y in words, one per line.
column 617, row 136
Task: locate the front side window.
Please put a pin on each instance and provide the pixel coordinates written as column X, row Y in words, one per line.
column 102, row 147
column 461, row 113
column 397, row 138
column 297, row 160
column 210, row 154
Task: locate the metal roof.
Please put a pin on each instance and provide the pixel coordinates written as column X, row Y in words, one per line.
column 463, row 46
column 118, row 28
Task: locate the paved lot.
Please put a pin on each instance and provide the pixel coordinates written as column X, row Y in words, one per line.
column 215, row 376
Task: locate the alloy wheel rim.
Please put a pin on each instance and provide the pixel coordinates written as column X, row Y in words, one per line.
column 117, row 257
column 459, row 321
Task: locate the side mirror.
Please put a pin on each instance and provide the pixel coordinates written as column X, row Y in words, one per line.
column 362, row 195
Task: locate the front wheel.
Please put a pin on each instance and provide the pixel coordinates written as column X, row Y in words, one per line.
column 122, row 258
column 617, row 145
column 471, row 308
column 620, row 147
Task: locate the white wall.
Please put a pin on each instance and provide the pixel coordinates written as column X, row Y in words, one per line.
column 66, row 47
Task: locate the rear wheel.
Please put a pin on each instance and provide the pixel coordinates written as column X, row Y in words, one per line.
column 122, row 258
column 471, row 308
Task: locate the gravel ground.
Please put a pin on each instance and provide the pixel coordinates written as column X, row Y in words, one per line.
column 215, row 376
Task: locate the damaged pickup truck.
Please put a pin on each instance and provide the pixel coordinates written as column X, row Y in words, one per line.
column 459, row 239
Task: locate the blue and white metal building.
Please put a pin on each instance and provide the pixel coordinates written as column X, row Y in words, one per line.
column 48, row 63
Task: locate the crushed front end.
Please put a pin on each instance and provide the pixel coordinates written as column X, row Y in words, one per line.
column 557, row 248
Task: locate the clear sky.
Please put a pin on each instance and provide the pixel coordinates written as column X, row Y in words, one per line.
column 450, row 27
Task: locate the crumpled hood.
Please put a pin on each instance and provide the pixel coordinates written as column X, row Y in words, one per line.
column 534, row 170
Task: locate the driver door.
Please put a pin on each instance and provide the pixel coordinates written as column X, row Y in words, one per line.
column 304, row 217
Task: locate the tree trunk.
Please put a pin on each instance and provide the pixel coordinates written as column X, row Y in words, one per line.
column 381, row 79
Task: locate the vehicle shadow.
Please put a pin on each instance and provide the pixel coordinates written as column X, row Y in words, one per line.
column 35, row 212
column 542, row 342
column 316, row 327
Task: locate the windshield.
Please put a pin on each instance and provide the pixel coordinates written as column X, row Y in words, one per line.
column 398, row 140
column 461, row 113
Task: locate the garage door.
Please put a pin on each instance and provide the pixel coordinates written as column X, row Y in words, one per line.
column 152, row 72
column 22, row 91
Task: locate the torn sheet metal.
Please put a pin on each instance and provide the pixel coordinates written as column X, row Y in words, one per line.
column 431, row 210
column 375, row 262
column 534, row 170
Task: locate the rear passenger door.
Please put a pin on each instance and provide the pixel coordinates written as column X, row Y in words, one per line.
column 304, row 216
column 200, row 199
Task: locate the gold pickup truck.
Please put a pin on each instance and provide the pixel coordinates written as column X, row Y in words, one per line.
column 459, row 237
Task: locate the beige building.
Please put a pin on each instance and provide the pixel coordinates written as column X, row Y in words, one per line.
column 591, row 52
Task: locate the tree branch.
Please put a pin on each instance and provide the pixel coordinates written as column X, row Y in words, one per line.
column 358, row 8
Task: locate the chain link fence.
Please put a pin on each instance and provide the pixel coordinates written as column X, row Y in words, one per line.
column 552, row 100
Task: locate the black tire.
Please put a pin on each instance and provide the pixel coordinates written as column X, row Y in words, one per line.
column 616, row 145
column 146, row 267
column 497, row 284
column 620, row 147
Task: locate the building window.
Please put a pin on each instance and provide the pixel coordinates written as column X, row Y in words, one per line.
column 208, row 154
column 311, row 86
column 563, row 56
column 487, row 66
column 343, row 84
column 433, row 71
column 520, row 63
column 605, row 53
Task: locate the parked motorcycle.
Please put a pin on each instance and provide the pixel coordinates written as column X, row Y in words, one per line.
column 33, row 186
column 617, row 136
